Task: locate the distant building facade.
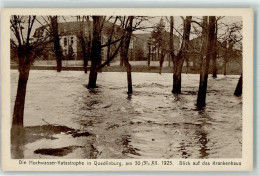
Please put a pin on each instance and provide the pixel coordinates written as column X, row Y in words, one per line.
column 70, row 42
column 142, row 42
column 69, row 33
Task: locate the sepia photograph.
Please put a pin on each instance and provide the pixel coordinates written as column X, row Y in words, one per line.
column 126, row 86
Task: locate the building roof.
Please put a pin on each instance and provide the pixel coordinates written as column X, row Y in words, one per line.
column 72, row 28
column 148, row 36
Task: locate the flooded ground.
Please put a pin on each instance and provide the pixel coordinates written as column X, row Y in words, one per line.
column 63, row 119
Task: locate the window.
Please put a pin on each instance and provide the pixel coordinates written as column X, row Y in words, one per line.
column 65, row 41
column 72, row 40
column 65, row 52
column 102, row 53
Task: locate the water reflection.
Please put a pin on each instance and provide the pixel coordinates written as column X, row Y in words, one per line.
column 177, row 97
column 129, row 97
column 202, row 135
column 17, row 142
column 183, row 150
column 94, row 90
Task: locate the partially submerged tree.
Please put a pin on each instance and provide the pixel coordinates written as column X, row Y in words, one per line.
column 95, row 50
column 27, row 49
column 238, row 91
column 130, row 24
column 182, row 54
column 125, row 45
column 209, row 34
column 24, row 52
column 98, row 24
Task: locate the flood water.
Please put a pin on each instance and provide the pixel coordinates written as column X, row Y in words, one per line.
column 151, row 123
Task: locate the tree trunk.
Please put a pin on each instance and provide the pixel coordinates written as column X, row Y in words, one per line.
column 169, row 61
column 128, row 67
column 121, row 57
column 214, row 70
column 171, row 44
column 201, row 99
column 85, row 59
column 110, row 40
column 125, row 47
column 17, row 130
column 225, row 66
column 108, row 52
column 25, row 60
column 129, row 77
column 149, row 57
column 238, row 91
column 176, row 82
column 158, row 53
column 161, row 62
column 89, row 40
column 17, row 142
column 20, row 97
column 178, row 62
column 88, row 52
column 227, row 54
column 56, row 40
column 153, row 50
column 95, row 51
column 187, row 65
column 83, row 44
column 177, row 69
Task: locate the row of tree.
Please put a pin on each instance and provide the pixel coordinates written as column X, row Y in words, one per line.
column 117, row 41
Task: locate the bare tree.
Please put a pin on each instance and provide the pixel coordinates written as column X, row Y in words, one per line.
column 159, row 37
column 230, row 42
column 83, row 41
column 110, row 34
column 215, row 49
column 201, row 99
column 125, row 46
column 171, row 44
column 27, row 50
column 182, row 54
column 98, row 24
column 25, row 60
column 130, row 24
column 149, row 43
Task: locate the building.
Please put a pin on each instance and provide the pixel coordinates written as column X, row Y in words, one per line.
column 70, row 33
column 142, row 42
